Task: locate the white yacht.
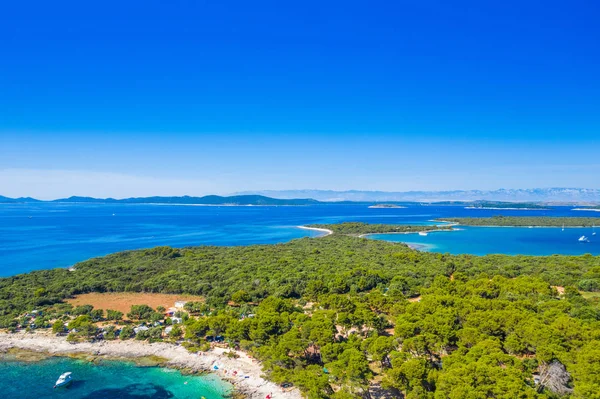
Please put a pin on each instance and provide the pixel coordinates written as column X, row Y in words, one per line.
column 583, row 239
column 422, row 233
column 63, row 380
column 593, row 229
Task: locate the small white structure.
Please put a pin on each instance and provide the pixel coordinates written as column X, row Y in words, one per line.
column 140, row 328
column 180, row 304
column 168, row 329
column 176, row 320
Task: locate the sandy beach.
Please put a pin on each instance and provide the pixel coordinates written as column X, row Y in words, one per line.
column 325, row 231
column 254, row 386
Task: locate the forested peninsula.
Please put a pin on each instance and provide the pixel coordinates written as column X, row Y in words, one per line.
column 359, row 228
column 344, row 317
column 526, row 221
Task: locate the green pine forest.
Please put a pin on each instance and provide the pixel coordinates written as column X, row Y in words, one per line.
column 342, row 316
column 526, row 221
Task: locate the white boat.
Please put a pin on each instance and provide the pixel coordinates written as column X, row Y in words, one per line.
column 593, row 230
column 63, row 380
column 583, row 239
column 563, row 229
column 422, row 233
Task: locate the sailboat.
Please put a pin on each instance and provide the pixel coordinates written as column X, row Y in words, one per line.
column 563, row 229
column 593, row 229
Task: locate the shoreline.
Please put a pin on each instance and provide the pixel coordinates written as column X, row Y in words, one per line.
column 254, row 387
column 406, row 232
column 586, row 209
column 326, row 232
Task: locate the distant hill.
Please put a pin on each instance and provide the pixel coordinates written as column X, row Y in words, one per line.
column 185, row 200
column 504, row 198
column 17, row 200
column 568, row 195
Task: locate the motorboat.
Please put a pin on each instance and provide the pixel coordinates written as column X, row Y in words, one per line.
column 64, row 380
column 583, row 239
column 422, row 233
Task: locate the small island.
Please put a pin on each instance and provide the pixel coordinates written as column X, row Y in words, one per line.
column 595, row 208
column 526, row 221
column 385, row 206
column 515, row 206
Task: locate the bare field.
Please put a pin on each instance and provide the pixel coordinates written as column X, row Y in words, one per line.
column 122, row 301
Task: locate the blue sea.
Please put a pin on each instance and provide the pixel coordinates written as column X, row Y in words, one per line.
column 49, row 235
column 502, row 240
column 107, row 379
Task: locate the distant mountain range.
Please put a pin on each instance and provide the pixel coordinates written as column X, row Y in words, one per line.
column 185, row 200
column 311, row 197
column 571, row 195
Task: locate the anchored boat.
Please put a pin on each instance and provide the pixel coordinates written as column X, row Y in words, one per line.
column 63, row 380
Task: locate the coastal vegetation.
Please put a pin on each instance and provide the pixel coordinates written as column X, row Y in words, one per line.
column 526, row 221
column 359, row 228
column 340, row 316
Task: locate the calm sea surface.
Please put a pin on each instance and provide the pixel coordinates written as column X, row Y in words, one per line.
column 48, row 235
column 108, row 379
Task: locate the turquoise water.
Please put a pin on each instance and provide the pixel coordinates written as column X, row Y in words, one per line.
column 502, row 240
column 110, row 379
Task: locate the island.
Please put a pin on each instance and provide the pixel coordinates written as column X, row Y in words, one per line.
column 330, row 317
column 525, row 221
column 517, row 206
column 385, row 206
column 595, row 208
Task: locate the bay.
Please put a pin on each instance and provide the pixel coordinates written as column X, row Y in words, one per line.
column 502, row 240
column 107, row 379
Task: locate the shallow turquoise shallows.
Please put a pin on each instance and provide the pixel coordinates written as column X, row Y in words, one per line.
column 503, row 240
column 108, row 379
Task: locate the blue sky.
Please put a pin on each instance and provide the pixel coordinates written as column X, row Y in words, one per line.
column 191, row 97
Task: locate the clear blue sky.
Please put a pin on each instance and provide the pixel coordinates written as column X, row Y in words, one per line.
column 191, row 97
